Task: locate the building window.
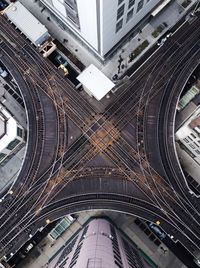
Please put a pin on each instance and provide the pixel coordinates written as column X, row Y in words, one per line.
column 192, row 146
column 68, row 4
column 119, row 25
column 120, row 12
column 186, row 140
column 131, row 3
column 197, row 151
column 2, row 155
column 193, row 135
column 120, row 1
column 118, row 264
column 129, row 15
column 197, row 130
column 72, row 265
column 73, row 18
column 19, row 132
column 13, row 144
column 140, row 5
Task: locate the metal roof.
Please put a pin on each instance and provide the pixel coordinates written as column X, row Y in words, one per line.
column 95, row 82
column 25, row 21
column 189, row 95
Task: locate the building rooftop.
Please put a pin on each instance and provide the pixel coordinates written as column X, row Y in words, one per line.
column 25, row 21
column 95, row 82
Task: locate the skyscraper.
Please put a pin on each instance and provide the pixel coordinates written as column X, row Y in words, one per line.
column 101, row 24
column 99, row 245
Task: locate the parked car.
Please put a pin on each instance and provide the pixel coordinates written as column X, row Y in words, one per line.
column 157, row 230
column 3, row 73
column 165, row 24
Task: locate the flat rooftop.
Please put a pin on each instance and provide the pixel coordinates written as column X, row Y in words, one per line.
column 95, row 82
column 25, row 21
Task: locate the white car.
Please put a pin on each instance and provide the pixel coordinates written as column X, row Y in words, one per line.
column 168, row 35
column 162, row 41
column 3, row 73
column 197, row 262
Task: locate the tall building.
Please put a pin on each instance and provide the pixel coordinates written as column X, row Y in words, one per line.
column 98, row 245
column 188, row 136
column 101, row 24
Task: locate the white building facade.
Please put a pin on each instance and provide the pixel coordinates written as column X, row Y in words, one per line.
column 189, row 135
column 101, row 24
column 11, row 135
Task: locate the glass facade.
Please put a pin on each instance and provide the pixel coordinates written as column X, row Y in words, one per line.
column 59, row 229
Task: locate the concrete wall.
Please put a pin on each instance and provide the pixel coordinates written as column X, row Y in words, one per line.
column 87, row 12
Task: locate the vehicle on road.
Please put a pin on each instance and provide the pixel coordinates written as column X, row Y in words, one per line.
column 3, row 73
column 197, row 262
column 163, row 39
column 165, row 24
column 157, row 230
column 161, row 42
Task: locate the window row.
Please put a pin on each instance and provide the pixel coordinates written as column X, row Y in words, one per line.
column 2, row 155
column 189, row 139
column 120, row 13
column 13, row 144
column 140, row 5
column 120, row 22
column 130, row 4
column 19, row 132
